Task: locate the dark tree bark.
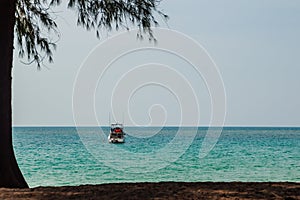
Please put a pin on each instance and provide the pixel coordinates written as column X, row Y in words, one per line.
column 10, row 174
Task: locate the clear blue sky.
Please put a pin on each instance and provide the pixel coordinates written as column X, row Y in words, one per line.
column 255, row 45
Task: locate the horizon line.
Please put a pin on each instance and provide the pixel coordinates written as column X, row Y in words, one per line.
column 201, row 126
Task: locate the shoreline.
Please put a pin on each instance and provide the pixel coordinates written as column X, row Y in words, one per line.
column 161, row 190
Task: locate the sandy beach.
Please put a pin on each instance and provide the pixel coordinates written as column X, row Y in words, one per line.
column 163, row 190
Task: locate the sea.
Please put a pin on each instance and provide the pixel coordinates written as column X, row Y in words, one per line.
column 56, row 156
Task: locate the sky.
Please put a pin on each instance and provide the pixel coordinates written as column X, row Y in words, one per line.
column 254, row 44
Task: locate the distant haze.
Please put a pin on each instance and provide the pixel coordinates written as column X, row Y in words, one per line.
column 255, row 45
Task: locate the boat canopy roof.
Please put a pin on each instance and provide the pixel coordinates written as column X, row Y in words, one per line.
column 116, row 125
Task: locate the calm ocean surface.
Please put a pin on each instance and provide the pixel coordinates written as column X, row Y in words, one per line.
column 55, row 156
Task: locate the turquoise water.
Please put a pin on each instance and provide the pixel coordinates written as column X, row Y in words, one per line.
column 54, row 156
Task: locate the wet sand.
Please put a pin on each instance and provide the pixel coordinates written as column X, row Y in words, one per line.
column 164, row 190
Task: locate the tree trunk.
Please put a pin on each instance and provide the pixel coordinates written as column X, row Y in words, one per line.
column 10, row 174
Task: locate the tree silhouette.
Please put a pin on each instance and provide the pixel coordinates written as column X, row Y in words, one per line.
column 33, row 24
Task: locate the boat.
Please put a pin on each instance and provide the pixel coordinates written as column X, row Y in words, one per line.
column 116, row 134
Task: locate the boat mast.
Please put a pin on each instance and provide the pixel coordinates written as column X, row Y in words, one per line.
column 109, row 118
